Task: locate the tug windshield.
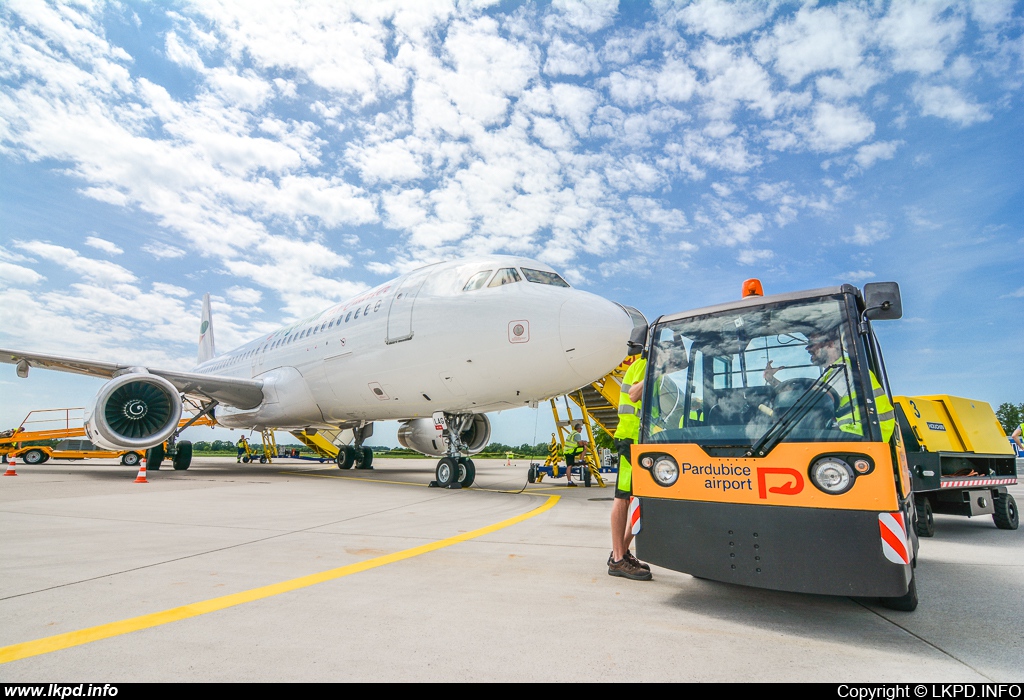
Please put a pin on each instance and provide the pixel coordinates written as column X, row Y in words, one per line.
column 730, row 378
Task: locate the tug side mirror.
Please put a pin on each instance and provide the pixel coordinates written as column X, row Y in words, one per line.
column 882, row 301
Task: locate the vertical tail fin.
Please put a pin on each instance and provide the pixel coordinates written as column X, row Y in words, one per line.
column 206, row 347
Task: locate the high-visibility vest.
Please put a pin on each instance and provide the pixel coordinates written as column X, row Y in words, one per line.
column 572, row 446
column 629, row 412
column 848, row 413
column 241, row 441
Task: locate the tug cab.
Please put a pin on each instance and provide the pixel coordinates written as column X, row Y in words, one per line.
column 764, row 460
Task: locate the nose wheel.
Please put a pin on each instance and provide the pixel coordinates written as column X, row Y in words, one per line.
column 455, row 473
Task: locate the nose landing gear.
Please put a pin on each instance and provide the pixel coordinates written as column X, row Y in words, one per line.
column 455, row 471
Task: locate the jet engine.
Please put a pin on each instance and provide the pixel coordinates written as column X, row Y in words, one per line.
column 422, row 435
column 137, row 410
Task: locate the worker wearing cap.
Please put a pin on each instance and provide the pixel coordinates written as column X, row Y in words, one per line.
column 621, row 561
column 575, row 446
column 241, row 445
column 826, row 349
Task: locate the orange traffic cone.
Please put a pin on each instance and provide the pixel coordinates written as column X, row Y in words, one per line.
column 10, row 466
column 141, row 478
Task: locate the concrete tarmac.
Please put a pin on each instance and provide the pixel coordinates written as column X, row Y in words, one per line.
column 83, row 545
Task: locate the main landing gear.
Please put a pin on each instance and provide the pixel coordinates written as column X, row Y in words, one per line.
column 355, row 455
column 455, row 471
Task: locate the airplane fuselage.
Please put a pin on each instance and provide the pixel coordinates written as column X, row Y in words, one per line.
column 424, row 342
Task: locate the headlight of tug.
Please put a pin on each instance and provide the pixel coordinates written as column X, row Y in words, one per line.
column 665, row 470
column 832, row 475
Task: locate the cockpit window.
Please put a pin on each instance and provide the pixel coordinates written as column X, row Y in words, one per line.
column 506, row 275
column 477, row 281
column 544, row 277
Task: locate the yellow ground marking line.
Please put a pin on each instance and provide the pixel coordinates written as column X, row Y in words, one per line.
column 24, row 650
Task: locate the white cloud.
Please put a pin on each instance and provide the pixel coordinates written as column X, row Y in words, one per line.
column 725, row 20
column 244, row 295
column 835, row 127
column 869, row 234
column 1016, row 294
column 163, row 251
column 569, row 58
column 11, row 274
column 947, row 102
column 920, row 35
column 753, row 256
column 855, row 276
column 871, row 153
column 98, row 271
column 588, row 15
column 104, row 245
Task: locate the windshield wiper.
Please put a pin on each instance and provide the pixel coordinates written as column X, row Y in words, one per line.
column 778, row 430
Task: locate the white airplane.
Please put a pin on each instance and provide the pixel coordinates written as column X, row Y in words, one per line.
column 436, row 349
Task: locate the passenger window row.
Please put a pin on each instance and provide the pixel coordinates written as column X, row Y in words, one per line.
column 290, row 337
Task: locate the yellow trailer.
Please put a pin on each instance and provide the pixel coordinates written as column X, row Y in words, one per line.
column 959, row 459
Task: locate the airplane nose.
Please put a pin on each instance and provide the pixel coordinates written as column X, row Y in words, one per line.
column 594, row 333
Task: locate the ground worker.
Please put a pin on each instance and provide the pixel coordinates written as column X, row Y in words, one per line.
column 826, row 351
column 243, row 448
column 621, row 561
column 1017, row 435
column 575, row 446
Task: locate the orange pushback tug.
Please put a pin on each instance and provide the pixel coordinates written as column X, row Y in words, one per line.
column 768, row 455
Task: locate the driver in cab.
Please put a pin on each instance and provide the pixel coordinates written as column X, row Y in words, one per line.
column 826, row 351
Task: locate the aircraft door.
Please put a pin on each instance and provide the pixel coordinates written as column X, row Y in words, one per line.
column 400, row 312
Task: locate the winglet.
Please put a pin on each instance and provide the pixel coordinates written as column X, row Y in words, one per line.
column 206, row 348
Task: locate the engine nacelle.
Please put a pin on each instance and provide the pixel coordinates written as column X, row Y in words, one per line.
column 423, row 436
column 133, row 411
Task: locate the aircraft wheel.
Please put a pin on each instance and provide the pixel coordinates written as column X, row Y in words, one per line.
column 447, row 472
column 925, row 524
column 364, row 457
column 34, row 457
column 130, row 459
column 467, row 472
column 154, row 457
column 1006, row 517
column 345, row 457
column 904, row 603
column 182, row 459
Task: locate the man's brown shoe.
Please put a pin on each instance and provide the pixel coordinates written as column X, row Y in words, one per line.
column 627, row 569
column 630, row 557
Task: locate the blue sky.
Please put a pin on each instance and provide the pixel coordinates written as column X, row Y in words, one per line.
column 283, row 158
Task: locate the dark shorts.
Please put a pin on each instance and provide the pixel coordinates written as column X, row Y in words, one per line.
column 570, row 461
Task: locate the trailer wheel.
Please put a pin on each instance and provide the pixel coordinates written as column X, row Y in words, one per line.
column 904, row 603
column 531, row 475
column 34, row 457
column 130, row 459
column 1006, row 517
column 925, row 523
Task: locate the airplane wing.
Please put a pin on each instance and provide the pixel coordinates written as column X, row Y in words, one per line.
column 231, row 391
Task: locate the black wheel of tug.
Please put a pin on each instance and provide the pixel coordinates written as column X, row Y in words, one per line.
column 154, row 457
column 925, row 524
column 34, row 457
column 182, row 459
column 531, row 475
column 903, row 603
column 364, row 457
column 345, row 457
column 263, row 459
column 130, row 459
column 246, row 459
column 447, row 472
column 1006, row 517
column 467, row 472
column 587, row 476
